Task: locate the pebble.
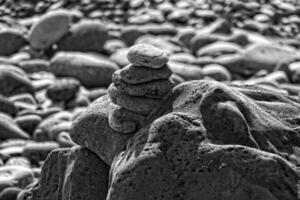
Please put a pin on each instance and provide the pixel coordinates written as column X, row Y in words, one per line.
column 9, row 129
column 14, row 81
column 11, row 41
column 144, row 55
column 139, row 105
column 90, row 70
column 85, row 36
column 7, row 106
column 10, row 193
column 154, row 89
column 15, row 176
column 63, row 89
column 49, row 29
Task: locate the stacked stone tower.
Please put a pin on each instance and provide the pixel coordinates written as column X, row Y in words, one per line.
column 139, row 87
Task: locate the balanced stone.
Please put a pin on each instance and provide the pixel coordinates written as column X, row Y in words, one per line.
column 139, row 105
column 135, row 75
column 155, row 89
column 125, row 121
column 147, row 55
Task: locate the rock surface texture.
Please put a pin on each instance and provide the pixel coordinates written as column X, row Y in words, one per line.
column 206, row 139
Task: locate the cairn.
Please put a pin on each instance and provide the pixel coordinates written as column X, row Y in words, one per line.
column 139, row 88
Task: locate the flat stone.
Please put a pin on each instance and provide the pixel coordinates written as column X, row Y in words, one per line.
column 154, row 89
column 139, row 105
column 34, row 65
column 147, row 56
column 137, row 75
column 38, row 151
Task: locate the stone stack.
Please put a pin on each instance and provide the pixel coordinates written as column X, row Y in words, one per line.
column 139, row 87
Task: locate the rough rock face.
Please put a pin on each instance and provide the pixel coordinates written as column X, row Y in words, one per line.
column 70, row 174
column 215, row 142
column 207, row 139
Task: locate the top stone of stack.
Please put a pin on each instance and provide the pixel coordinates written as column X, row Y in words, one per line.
column 145, row 55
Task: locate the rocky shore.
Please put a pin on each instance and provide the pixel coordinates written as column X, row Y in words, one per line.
column 149, row 100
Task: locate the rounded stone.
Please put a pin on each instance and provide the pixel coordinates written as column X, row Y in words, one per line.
column 7, row 106
column 34, row 65
column 15, row 176
column 49, row 29
column 28, row 122
column 217, row 72
column 136, row 75
column 85, row 36
column 63, row 89
column 90, row 70
column 14, row 81
column 38, row 151
column 10, row 193
column 139, row 105
column 9, row 129
column 11, row 41
column 147, row 56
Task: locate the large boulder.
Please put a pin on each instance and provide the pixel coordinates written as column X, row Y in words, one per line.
column 213, row 141
column 90, row 70
column 70, row 174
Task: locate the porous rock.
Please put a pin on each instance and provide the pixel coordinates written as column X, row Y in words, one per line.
column 70, row 174
column 216, row 141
